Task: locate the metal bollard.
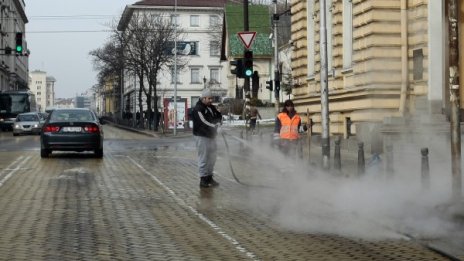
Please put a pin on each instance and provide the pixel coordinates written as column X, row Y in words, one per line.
column 361, row 161
column 425, row 170
column 300, row 148
column 389, row 159
column 337, row 159
column 241, row 143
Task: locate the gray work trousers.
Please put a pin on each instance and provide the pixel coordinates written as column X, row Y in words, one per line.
column 207, row 154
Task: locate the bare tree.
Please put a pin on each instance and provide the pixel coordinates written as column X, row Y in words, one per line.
column 148, row 41
column 160, row 50
column 108, row 61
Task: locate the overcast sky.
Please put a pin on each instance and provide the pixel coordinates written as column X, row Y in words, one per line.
column 59, row 49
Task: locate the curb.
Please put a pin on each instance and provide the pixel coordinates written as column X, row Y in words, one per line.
column 151, row 133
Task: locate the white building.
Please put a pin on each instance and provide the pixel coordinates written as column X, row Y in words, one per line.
column 198, row 20
column 64, row 103
column 43, row 87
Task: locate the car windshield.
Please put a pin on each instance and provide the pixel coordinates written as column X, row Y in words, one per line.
column 29, row 117
column 71, row 116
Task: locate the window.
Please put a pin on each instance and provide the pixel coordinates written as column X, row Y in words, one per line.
column 195, row 75
column 214, row 75
column 418, row 64
column 214, row 48
column 311, row 39
column 175, row 19
column 39, row 93
column 347, row 33
column 39, row 87
column 194, row 20
column 329, row 35
column 213, row 20
column 173, row 77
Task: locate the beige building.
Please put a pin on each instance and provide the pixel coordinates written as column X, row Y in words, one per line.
column 386, row 58
column 43, row 87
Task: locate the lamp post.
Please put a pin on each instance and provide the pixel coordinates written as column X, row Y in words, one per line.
column 324, row 88
column 175, row 70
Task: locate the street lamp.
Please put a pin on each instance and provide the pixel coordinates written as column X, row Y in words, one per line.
column 175, row 70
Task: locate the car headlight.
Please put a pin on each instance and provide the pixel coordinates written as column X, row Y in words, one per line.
column 36, row 125
column 17, row 126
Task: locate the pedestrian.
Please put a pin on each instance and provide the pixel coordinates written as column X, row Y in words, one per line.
column 287, row 125
column 137, row 118
column 254, row 114
column 206, row 122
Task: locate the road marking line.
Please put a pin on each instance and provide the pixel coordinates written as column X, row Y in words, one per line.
column 13, row 171
column 202, row 217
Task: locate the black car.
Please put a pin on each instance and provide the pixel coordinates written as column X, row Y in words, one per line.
column 71, row 130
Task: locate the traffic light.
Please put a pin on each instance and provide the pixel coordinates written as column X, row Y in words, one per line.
column 248, row 64
column 7, row 50
column 269, row 85
column 19, row 43
column 238, row 70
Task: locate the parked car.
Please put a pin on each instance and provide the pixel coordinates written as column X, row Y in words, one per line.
column 27, row 123
column 71, row 130
column 43, row 116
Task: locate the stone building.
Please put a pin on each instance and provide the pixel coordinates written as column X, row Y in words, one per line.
column 14, row 66
column 386, row 59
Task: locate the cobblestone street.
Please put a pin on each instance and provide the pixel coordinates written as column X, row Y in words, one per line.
column 144, row 203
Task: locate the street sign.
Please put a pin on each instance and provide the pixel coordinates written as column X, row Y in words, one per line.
column 246, row 38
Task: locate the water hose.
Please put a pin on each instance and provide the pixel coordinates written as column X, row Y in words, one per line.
column 232, row 168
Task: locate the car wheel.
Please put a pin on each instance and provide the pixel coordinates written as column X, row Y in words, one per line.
column 15, row 134
column 44, row 153
column 99, row 153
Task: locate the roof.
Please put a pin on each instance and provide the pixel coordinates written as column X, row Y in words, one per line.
column 259, row 22
column 190, row 3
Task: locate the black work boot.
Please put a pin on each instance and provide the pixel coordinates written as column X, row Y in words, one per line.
column 212, row 182
column 204, row 182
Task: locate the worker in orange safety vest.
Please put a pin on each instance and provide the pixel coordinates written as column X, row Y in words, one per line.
column 287, row 125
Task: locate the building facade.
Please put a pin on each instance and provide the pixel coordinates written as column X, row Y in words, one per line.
column 386, row 58
column 43, row 87
column 199, row 22
column 14, row 68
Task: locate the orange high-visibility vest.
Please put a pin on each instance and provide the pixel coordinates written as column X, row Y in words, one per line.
column 289, row 127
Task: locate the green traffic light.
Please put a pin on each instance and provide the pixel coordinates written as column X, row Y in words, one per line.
column 19, row 48
column 248, row 72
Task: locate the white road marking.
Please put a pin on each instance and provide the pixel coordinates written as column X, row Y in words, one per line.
column 12, row 170
column 202, row 217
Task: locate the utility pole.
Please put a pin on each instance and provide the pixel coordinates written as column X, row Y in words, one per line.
column 455, row 124
column 276, row 61
column 324, row 89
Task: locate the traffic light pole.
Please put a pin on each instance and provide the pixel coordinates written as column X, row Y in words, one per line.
column 276, row 62
column 246, row 28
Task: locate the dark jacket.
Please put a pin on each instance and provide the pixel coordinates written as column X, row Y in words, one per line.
column 205, row 120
